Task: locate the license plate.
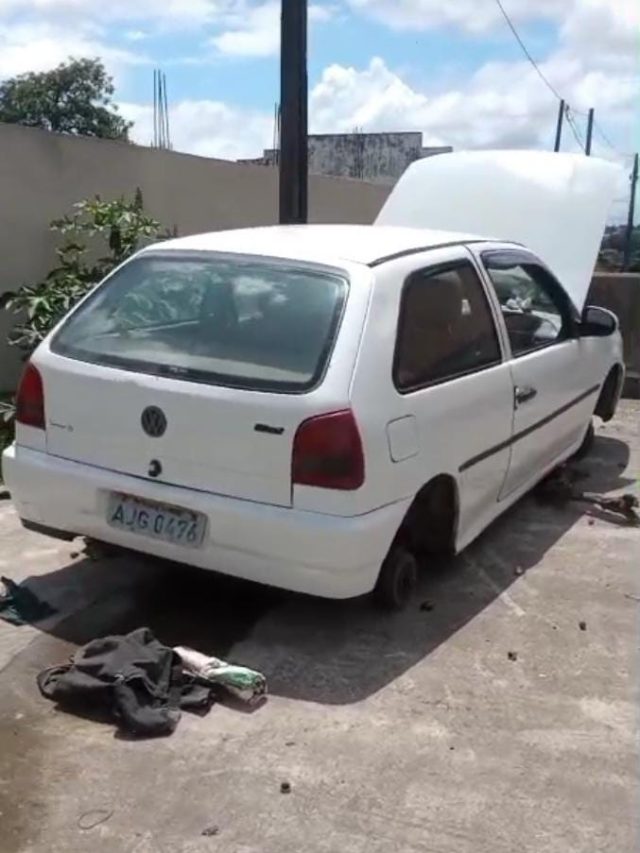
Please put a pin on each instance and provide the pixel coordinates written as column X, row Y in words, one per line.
column 156, row 521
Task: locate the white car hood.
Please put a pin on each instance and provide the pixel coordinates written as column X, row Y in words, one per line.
column 554, row 204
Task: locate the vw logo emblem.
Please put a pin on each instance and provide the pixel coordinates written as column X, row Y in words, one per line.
column 153, row 421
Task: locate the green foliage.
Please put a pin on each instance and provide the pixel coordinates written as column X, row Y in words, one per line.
column 95, row 226
column 110, row 231
column 7, row 413
column 73, row 98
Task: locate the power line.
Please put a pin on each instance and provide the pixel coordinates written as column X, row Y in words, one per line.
column 580, row 113
column 572, row 125
column 554, row 91
column 603, row 136
column 525, row 50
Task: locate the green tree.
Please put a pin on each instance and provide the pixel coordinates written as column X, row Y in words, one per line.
column 73, row 98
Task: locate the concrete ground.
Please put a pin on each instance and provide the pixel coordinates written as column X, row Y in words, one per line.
column 411, row 732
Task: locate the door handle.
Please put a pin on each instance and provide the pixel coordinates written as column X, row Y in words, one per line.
column 524, row 393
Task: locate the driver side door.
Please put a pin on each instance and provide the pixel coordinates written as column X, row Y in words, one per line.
column 553, row 397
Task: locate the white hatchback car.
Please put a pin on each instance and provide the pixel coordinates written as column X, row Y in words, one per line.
column 312, row 407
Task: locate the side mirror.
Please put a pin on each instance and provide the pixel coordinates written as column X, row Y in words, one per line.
column 597, row 322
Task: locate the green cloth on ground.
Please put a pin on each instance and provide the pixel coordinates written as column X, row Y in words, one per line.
column 20, row 606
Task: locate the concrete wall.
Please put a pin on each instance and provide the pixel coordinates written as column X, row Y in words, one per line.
column 380, row 157
column 377, row 157
column 43, row 174
column 620, row 293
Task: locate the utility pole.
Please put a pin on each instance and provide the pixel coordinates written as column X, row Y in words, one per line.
column 587, row 145
column 632, row 207
column 561, row 111
column 293, row 99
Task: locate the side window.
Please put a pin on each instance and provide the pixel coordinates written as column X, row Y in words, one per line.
column 534, row 313
column 445, row 327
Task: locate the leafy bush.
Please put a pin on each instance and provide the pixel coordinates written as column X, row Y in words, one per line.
column 95, row 226
column 110, row 231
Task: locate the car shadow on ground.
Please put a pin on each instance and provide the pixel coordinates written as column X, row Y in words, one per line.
column 316, row 650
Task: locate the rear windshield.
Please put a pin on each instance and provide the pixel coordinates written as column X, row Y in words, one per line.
column 244, row 322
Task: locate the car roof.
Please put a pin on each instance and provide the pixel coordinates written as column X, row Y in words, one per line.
column 362, row 244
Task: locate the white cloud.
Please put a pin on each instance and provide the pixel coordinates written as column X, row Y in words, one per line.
column 606, row 29
column 376, row 98
column 178, row 12
column 502, row 103
column 255, row 33
column 255, row 30
column 206, row 128
column 234, row 28
column 321, row 13
column 39, row 47
column 470, row 15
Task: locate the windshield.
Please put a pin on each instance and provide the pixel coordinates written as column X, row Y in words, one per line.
column 232, row 320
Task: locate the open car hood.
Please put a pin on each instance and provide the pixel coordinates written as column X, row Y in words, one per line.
column 554, row 204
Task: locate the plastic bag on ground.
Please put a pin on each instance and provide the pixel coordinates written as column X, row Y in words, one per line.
column 244, row 683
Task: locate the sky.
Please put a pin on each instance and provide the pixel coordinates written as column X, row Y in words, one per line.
column 449, row 68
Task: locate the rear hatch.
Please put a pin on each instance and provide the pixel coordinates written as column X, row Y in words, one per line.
column 198, row 363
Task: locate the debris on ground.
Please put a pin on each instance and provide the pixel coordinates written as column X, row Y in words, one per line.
column 243, row 683
column 512, row 655
column 559, row 488
column 285, row 787
column 132, row 679
column 582, row 625
column 210, row 831
column 625, row 505
column 426, row 606
column 518, row 571
column 21, row 606
column 95, row 550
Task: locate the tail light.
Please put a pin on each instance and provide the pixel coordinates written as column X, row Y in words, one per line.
column 327, row 453
column 30, row 399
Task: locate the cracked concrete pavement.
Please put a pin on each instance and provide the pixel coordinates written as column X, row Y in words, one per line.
column 410, row 732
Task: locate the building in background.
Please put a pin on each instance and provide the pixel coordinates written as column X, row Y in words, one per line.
column 376, row 157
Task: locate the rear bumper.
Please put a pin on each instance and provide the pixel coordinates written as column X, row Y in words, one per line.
column 324, row 555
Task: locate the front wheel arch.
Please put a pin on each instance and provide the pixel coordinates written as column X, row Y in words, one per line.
column 609, row 394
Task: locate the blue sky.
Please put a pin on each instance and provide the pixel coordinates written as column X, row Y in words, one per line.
column 452, row 70
column 427, row 59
